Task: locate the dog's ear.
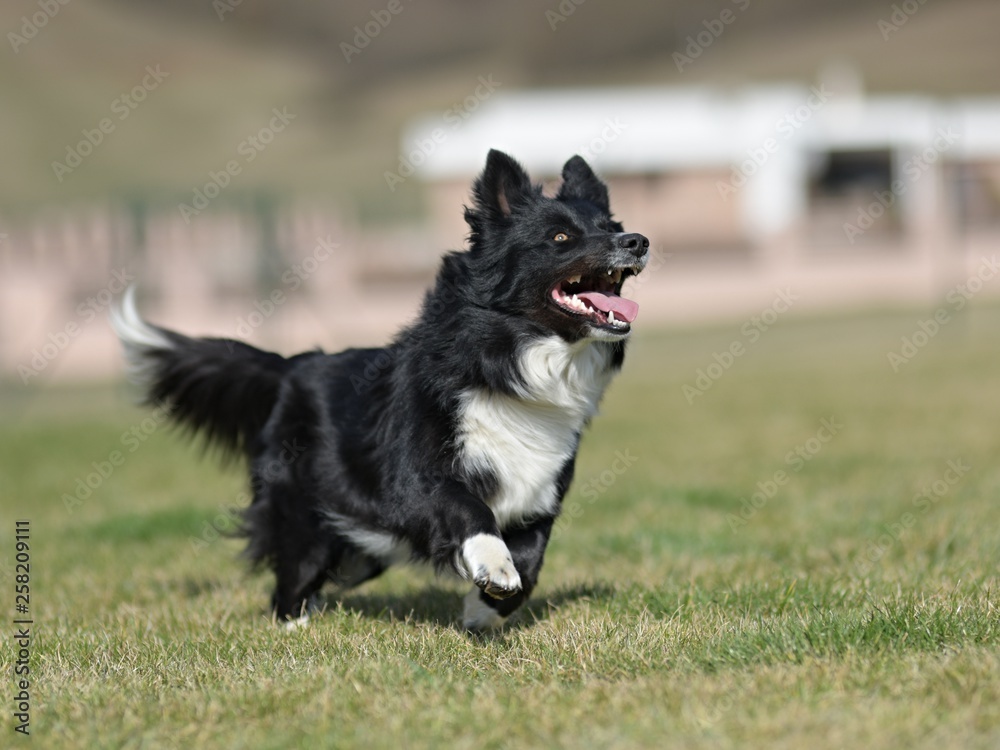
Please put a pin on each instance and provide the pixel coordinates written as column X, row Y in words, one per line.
column 580, row 183
column 502, row 185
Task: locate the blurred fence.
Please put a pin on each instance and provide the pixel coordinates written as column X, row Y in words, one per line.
column 290, row 277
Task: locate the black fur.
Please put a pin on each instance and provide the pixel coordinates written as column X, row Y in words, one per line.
column 370, row 440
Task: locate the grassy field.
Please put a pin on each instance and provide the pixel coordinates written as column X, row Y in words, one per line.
column 855, row 606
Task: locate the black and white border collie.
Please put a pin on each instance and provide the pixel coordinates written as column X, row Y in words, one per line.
column 453, row 445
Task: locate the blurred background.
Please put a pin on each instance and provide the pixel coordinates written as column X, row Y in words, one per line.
column 290, row 172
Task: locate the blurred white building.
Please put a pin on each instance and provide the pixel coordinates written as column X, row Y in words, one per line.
column 846, row 198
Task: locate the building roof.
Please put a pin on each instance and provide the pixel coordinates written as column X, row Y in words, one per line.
column 770, row 133
column 651, row 129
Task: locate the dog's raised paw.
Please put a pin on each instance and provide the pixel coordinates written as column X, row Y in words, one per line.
column 488, row 563
column 506, row 587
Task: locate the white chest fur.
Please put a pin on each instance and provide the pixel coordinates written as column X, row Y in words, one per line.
column 525, row 441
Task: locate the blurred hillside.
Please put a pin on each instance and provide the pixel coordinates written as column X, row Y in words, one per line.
column 225, row 75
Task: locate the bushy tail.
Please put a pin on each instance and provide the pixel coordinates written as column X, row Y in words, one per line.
column 223, row 389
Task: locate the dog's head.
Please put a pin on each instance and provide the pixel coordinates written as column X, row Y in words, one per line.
column 559, row 262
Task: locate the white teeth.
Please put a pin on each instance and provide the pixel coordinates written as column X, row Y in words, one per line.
column 574, row 279
column 610, row 272
column 576, row 303
column 617, row 276
column 615, row 322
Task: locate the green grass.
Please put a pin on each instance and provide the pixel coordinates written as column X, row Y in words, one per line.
column 659, row 622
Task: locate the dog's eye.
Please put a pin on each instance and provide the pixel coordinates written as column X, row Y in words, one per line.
column 560, row 237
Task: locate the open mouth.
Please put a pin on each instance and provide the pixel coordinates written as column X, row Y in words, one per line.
column 597, row 297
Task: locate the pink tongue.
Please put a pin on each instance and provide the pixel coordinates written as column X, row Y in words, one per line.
column 625, row 309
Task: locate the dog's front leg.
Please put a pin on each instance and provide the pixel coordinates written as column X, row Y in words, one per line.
column 461, row 533
column 526, row 546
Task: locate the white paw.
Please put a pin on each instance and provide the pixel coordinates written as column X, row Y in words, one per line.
column 299, row 623
column 487, row 561
column 478, row 615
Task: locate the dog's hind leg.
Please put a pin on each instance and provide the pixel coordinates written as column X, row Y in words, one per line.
column 355, row 568
column 302, row 554
column 343, row 566
column 527, row 548
column 301, row 572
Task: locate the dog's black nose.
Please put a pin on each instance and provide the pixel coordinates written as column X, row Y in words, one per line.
column 634, row 243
